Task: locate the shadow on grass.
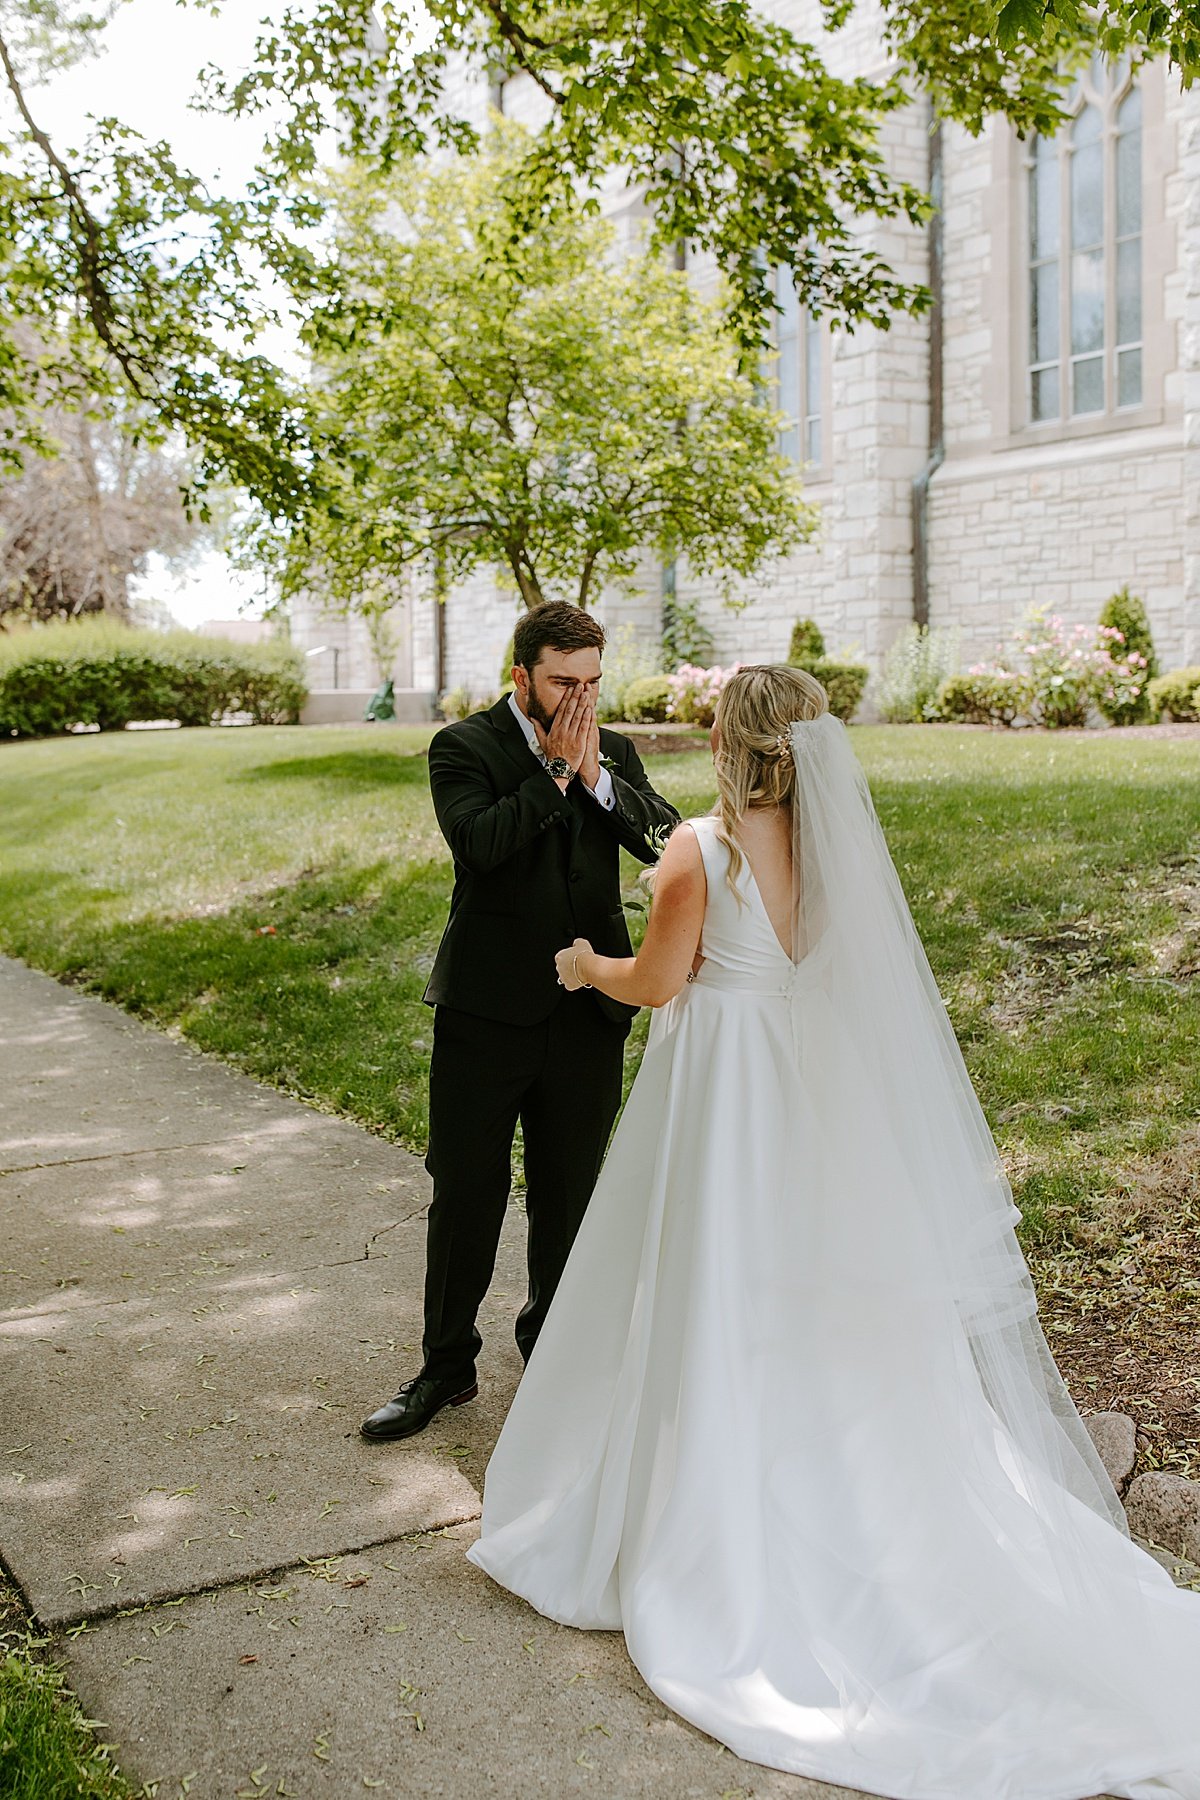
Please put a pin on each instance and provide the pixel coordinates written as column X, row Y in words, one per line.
column 351, row 768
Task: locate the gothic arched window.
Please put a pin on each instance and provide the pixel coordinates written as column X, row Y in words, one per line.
column 1085, row 253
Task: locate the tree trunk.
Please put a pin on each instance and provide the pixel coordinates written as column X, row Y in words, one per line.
column 526, row 579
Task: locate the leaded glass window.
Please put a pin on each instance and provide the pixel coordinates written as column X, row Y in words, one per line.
column 1085, row 253
column 797, row 376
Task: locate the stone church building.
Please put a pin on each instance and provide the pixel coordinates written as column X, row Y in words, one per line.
column 1035, row 439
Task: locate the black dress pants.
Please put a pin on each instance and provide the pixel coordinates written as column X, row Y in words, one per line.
column 562, row 1079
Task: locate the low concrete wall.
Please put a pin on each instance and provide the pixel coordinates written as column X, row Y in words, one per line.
column 346, row 706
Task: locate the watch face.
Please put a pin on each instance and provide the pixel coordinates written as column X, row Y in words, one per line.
column 559, row 767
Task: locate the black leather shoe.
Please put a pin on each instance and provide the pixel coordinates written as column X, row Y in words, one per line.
column 418, row 1401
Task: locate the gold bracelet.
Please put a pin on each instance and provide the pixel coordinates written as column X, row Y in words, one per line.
column 575, row 971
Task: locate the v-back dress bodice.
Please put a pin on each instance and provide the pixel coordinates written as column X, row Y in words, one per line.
column 742, row 952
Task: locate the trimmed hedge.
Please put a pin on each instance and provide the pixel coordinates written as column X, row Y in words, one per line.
column 984, row 699
column 843, row 682
column 56, row 677
column 1176, row 695
column 646, row 700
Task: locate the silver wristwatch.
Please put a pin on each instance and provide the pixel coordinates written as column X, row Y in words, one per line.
column 559, row 767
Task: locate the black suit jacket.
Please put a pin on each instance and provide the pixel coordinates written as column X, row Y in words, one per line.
column 533, row 867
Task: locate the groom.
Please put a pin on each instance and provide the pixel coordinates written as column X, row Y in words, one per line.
column 535, row 802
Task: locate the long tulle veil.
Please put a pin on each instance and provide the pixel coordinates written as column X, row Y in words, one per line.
column 918, row 1216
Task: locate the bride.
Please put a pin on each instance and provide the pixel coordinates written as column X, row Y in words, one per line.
column 792, row 1424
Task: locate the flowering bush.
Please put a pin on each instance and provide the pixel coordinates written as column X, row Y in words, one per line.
column 1123, row 676
column 1064, row 665
column 694, row 691
column 1125, row 633
column 1053, row 674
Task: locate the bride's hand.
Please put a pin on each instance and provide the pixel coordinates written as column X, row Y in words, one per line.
column 564, row 962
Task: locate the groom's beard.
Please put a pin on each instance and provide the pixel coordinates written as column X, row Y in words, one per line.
column 535, row 706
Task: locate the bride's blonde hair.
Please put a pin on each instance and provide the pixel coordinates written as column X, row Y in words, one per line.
column 754, row 760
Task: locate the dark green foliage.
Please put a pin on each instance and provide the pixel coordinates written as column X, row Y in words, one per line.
column 843, row 682
column 808, row 642
column 741, row 139
column 646, row 700
column 1116, row 698
column 1127, row 614
column 984, row 699
column 1176, row 695
column 56, row 678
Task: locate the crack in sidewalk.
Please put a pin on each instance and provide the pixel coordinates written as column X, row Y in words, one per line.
column 48, row 1307
column 103, row 1615
column 71, row 1162
column 384, row 1229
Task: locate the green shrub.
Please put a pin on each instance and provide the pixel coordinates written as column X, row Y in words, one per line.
column 984, row 698
column 917, row 662
column 506, row 666
column 455, row 703
column 1125, row 613
column 1127, row 660
column 627, row 658
column 843, row 682
column 1176, row 695
column 807, row 643
column 95, row 672
column 646, row 700
column 459, row 703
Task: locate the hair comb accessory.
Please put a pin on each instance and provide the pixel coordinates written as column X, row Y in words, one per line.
column 783, row 744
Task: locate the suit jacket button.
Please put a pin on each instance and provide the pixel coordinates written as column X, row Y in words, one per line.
column 575, row 875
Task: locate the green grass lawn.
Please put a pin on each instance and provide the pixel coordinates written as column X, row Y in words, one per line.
column 48, row 1750
column 276, row 895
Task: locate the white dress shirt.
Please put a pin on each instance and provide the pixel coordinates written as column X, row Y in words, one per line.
column 603, row 790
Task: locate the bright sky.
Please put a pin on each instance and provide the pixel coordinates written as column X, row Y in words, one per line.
column 146, row 76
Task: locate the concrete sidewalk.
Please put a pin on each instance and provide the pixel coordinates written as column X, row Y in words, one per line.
column 205, row 1285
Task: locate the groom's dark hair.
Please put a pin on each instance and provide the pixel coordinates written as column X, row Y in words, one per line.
column 555, row 625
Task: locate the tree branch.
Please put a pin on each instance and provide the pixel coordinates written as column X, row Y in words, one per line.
column 521, row 43
column 86, row 231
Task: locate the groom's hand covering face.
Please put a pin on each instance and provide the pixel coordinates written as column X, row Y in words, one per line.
column 559, row 696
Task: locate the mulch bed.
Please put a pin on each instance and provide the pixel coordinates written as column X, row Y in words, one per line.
column 1120, row 1306
column 659, row 740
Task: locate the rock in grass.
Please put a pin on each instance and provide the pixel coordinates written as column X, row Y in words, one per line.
column 1115, row 1437
column 1166, row 1509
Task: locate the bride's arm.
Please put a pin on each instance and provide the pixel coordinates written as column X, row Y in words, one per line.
column 662, row 965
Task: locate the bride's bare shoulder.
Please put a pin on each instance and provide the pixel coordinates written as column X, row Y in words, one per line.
column 682, row 859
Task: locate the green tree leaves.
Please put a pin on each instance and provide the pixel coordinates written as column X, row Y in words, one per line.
column 555, row 410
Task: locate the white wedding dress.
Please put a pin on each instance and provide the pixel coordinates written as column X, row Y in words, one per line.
column 791, row 1423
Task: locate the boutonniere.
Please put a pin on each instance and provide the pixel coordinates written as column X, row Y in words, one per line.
column 656, row 838
column 606, row 762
